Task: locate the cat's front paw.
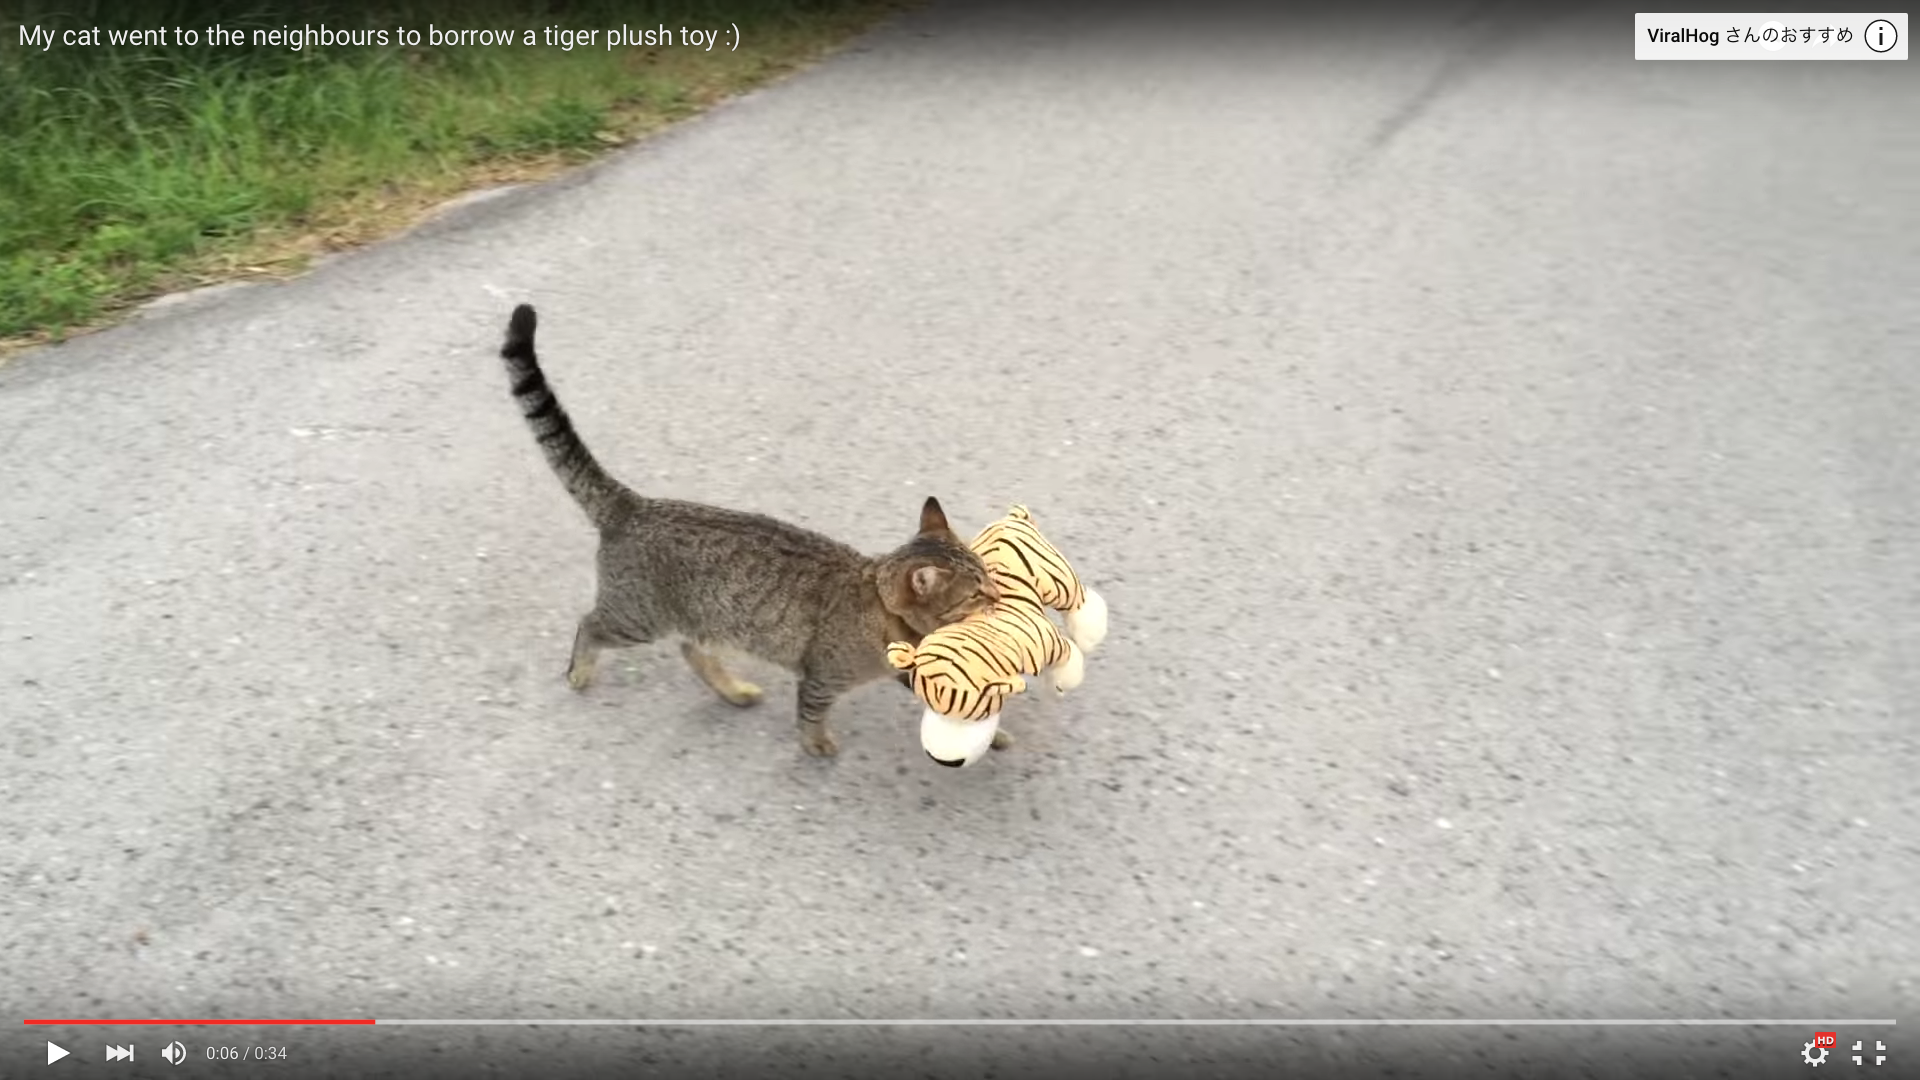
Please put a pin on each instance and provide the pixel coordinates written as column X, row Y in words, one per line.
column 580, row 676
column 818, row 742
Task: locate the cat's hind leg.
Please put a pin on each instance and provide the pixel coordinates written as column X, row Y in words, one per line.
column 732, row 689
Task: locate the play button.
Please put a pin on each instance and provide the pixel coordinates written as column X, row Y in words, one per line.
column 55, row 1053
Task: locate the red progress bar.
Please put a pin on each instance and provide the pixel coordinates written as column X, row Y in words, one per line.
column 200, row 1023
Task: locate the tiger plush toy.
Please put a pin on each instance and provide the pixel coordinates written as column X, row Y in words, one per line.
column 965, row 671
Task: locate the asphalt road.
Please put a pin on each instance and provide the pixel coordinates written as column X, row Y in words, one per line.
column 1499, row 455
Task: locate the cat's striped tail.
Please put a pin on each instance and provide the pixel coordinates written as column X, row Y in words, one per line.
column 599, row 494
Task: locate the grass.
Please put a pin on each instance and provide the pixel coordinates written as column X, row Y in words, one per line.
column 126, row 172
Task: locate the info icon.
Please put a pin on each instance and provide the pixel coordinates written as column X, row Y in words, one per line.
column 1881, row 35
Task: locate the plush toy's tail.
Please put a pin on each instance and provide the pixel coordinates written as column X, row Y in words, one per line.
column 1087, row 624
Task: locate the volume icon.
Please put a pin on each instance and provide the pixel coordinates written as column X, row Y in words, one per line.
column 174, row 1053
column 119, row 1053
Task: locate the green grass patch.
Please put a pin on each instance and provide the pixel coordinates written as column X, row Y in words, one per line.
column 129, row 170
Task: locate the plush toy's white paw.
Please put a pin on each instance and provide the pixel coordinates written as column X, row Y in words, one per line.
column 1087, row 624
column 1068, row 673
column 956, row 743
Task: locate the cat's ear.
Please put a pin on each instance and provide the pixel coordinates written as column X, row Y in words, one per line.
column 932, row 518
column 928, row 580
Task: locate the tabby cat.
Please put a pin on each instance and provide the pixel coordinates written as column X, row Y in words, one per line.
column 723, row 579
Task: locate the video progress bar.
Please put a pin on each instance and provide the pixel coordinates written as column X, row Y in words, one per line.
column 996, row 1022
column 149, row 1022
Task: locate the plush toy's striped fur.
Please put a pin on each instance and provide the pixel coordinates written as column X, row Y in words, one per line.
column 967, row 670
column 1014, row 547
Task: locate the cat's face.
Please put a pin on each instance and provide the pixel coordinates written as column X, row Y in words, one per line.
column 935, row 579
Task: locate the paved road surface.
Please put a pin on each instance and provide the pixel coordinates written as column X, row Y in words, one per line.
column 1500, row 456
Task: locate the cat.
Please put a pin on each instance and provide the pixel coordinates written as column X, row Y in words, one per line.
column 725, row 579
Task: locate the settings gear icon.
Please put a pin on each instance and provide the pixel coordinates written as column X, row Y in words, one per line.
column 1812, row 1058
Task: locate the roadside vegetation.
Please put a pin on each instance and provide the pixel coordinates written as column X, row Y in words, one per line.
column 128, row 170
